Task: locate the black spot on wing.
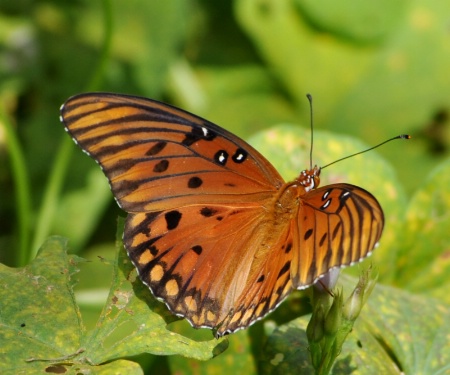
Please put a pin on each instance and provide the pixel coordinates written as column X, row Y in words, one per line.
column 308, row 234
column 197, row 249
column 285, row 268
column 322, row 240
column 207, row 211
column 221, row 157
column 240, row 156
column 172, row 219
column 343, row 199
column 288, row 248
column 205, row 133
column 326, row 204
column 336, row 230
column 156, row 148
column 161, row 166
column 136, row 251
column 198, row 133
column 195, row 182
column 153, row 250
column 326, row 194
column 190, row 139
column 144, row 227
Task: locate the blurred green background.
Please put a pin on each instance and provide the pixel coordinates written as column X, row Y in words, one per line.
column 375, row 70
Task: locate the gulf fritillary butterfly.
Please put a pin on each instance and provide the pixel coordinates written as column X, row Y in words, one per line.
column 212, row 228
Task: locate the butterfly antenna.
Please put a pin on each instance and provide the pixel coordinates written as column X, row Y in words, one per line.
column 401, row 136
column 309, row 96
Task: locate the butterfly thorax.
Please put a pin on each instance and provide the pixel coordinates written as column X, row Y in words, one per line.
column 288, row 197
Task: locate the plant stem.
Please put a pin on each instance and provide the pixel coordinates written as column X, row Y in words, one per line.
column 22, row 188
column 61, row 165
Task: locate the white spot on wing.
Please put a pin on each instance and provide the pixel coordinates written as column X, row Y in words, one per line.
column 326, row 204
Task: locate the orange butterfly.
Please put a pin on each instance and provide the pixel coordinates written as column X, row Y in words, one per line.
column 212, row 228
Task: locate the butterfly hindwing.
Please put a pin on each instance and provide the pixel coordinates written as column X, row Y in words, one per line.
column 212, row 269
column 269, row 286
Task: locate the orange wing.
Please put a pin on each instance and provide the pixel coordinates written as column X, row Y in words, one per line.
column 159, row 157
column 209, row 268
column 339, row 224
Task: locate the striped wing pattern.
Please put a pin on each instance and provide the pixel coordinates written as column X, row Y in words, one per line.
column 212, row 228
column 340, row 224
column 157, row 157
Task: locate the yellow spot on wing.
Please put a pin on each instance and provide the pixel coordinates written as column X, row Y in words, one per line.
column 248, row 314
column 210, row 316
column 259, row 309
column 236, row 317
column 273, row 300
column 172, row 288
column 191, row 304
column 156, row 273
column 145, row 257
column 197, row 320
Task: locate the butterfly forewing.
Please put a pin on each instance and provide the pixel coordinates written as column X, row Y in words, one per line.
column 158, row 157
column 212, row 228
column 340, row 224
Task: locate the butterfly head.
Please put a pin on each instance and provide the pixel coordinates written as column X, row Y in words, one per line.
column 310, row 179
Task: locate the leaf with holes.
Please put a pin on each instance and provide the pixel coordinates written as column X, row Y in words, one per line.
column 41, row 325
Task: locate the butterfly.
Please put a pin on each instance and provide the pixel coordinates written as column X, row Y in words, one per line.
column 212, row 228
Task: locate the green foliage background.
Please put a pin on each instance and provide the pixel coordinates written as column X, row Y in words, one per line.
column 375, row 71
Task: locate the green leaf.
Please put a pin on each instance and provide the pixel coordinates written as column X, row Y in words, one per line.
column 424, row 261
column 396, row 332
column 302, row 59
column 38, row 314
column 358, row 88
column 239, row 357
column 362, row 22
column 41, row 326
